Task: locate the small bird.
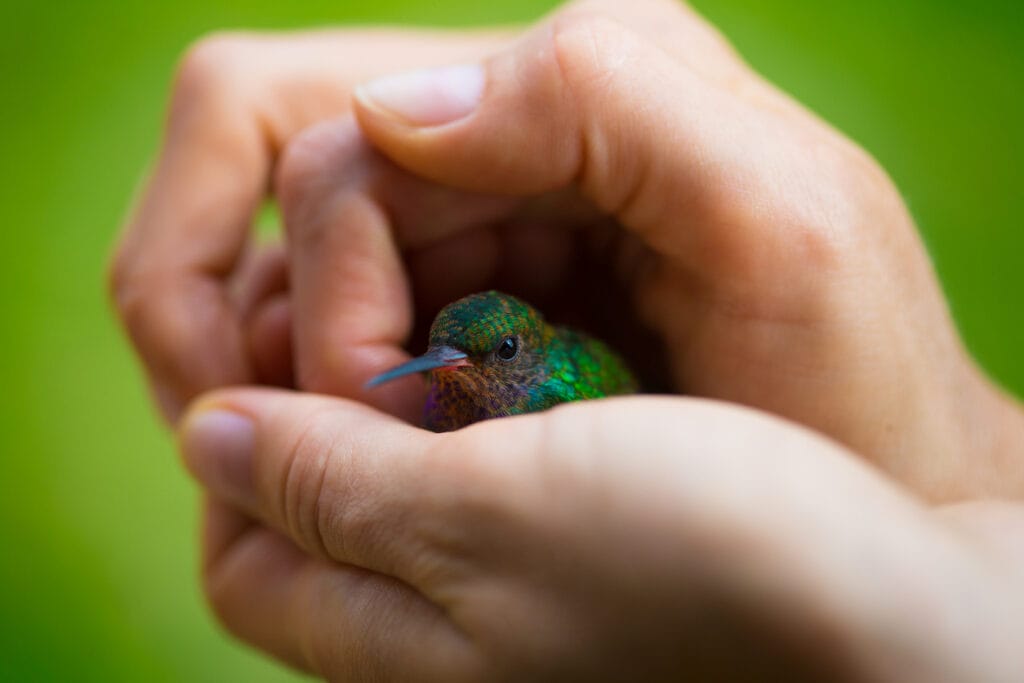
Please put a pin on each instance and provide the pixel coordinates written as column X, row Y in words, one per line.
column 492, row 355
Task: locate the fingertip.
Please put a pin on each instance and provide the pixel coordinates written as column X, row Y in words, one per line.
column 202, row 414
column 218, row 444
column 425, row 97
column 494, row 126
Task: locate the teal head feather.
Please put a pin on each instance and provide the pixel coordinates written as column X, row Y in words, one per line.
column 492, row 355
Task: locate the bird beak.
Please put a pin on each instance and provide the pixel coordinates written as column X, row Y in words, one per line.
column 435, row 357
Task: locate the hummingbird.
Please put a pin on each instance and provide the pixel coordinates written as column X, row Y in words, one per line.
column 493, row 355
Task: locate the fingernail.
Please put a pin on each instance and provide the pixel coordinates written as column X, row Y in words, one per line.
column 428, row 97
column 218, row 447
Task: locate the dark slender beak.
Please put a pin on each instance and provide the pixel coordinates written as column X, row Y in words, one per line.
column 435, row 357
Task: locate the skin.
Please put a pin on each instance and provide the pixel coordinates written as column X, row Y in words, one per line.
column 859, row 520
column 695, row 540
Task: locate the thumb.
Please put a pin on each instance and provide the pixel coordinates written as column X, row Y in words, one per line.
column 331, row 474
column 583, row 100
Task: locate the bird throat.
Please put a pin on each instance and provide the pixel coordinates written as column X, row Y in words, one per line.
column 458, row 397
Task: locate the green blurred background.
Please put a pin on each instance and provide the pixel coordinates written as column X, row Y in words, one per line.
column 97, row 520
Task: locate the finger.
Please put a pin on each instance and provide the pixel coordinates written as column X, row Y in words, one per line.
column 356, row 225
column 348, row 214
column 353, row 310
column 232, row 109
column 338, row 621
column 262, row 274
column 251, row 577
column 340, row 479
column 585, row 100
column 573, row 72
column 673, row 27
column 270, row 347
column 261, row 299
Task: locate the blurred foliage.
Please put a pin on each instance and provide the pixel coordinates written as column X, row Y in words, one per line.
column 97, row 520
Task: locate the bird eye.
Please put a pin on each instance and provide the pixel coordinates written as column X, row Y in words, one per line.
column 508, row 349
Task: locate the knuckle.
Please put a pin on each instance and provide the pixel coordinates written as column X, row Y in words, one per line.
column 299, row 163
column 212, row 60
column 326, row 498
column 131, row 290
column 832, row 226
column 303, row 493
column 320, row 162
column 131, row 278
column 210, row 73
column 120, row 277
column 140, row 297
column 591, row 48
column 597, row 59
column 349, row 519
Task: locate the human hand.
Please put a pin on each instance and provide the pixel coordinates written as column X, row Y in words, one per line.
column 203, row 306
column 772, row 258
column 625, row 539
column 750, row 342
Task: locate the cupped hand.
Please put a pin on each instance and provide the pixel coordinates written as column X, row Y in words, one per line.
column 618, row 165
column 631, row 539
column 621, row 167
column 203, row 305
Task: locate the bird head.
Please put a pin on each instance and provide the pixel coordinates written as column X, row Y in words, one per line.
column 483, row 339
